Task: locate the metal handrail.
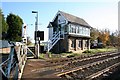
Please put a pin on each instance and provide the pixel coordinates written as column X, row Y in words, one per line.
column 54, row 40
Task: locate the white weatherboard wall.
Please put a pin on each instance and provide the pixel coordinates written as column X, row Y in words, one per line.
column 61, row 19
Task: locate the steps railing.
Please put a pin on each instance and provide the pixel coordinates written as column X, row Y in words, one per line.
column 56, row 37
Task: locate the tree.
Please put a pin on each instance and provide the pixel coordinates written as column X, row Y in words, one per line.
column 3, row 26
column 113, row 39
column 94, row 33
column 104, row 36
column 15, row 27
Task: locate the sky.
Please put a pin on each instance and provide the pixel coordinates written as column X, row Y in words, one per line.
column 100, row 15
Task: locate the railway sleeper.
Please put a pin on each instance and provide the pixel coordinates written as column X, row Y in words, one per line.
column 78, row 65
column 99, row 73
column 101, row 62
column 82, row 57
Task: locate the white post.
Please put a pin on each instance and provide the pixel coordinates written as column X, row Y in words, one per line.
column 24, row 35
column 38, row 50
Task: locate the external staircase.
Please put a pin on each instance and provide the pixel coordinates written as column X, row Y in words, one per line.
column 55, row 38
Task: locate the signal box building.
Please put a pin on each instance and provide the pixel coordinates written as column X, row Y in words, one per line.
column 68, row 33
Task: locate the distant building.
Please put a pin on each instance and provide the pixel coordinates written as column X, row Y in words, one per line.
column 4, row 46
column 68, row 33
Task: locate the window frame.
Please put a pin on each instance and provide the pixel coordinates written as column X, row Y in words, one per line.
column 80, row 43
column 73, row 43
column 86, row 43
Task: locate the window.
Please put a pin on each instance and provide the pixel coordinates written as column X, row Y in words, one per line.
column 80, row 30
column 70, row 30
column 85, row 31
column 88, row 31
column 66, row 28
column 73, row 29
column 77, row 29
column 80, row 44
column 86, row 43
column 73, row 43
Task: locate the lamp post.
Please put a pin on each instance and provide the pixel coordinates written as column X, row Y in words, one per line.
column 36, row 26
column 35, row 35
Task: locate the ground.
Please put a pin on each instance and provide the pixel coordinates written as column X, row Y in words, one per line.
column 34, row 67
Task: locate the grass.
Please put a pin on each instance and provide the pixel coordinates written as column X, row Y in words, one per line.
column 54, row 56
column 46, row 56
column 94, row 51
column 42, row 56
column 89, row 52
column 70, row 54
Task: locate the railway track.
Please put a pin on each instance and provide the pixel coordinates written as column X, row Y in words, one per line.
column 77, row 63
column 91, row 70
column 83, row 68
column 80, row 68
column 63, row 60
column 70, row 63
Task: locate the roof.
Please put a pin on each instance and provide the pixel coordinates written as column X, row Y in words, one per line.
column 75, row 19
